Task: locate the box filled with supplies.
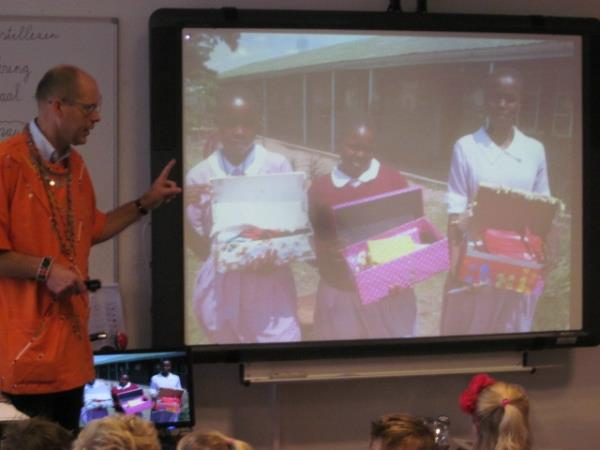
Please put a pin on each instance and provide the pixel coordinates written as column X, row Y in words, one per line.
column 169, row 399
column 505, row 239
column 260, row 217
column 134, row 401
column 389, row 243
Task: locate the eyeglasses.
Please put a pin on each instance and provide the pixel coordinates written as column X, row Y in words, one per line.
column 87, row 108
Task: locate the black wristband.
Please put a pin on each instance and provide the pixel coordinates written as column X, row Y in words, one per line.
column 44, row 269
column 138, row 204
column 93, row 285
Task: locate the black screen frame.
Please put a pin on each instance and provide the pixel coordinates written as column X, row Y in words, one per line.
column 165, row 351
column 165, row 27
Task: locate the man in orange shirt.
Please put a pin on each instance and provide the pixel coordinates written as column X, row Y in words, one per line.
column 48, row 223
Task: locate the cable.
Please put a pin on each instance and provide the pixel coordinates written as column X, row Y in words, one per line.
column 394, row 6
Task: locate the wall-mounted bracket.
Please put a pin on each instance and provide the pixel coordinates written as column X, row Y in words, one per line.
column 369, row 368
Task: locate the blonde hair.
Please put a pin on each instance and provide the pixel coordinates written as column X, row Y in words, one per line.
column 241, row 445
column 120, row 432
column 210, row 440
column 502, row 418
column 398, row 430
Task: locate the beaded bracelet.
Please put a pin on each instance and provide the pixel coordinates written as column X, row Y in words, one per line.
column 44, row 269
column 138, row 204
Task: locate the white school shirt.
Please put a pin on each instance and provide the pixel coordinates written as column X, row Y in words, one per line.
column 340, row 179
column 158, row 381
column 477, row 159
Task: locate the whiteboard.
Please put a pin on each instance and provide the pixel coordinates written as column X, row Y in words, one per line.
column 29, row 46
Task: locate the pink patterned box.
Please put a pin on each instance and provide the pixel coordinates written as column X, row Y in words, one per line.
column 384, row 216
column 134, row 401
column 137, row 406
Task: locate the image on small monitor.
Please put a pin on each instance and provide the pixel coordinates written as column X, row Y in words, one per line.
column 155, row 385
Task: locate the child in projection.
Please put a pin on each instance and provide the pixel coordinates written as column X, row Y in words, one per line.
column 257, row 304
column 497, row 154
column 339, row 312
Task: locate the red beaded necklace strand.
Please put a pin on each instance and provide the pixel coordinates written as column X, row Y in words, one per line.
column 47, row 176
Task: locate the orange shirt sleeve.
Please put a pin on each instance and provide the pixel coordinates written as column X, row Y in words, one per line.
column 99, row 223
column 8, row 178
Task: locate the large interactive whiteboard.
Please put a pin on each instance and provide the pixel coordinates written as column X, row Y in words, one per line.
column 29, row 46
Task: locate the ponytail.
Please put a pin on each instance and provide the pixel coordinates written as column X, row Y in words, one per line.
column 502, row 415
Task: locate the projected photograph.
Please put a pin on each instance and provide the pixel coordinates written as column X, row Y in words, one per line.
column 152, row 385
column 351, row 186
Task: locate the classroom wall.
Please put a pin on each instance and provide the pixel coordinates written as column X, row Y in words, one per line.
column 319, row 415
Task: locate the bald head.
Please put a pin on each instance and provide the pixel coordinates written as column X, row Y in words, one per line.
column 62, row 82
column 502, row 77
column 238, row 120
column 503, row 101
column 356, row 145
column 360, row 135
column 237, row 106
column 68, row 106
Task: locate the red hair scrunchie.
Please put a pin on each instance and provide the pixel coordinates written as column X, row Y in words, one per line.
column 468, row 398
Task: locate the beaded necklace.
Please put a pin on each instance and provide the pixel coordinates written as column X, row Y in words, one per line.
column 66, row 232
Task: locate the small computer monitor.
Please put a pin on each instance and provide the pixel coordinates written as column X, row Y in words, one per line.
column 153, row 384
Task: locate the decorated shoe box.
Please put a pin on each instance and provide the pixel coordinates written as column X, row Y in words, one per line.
column 482, row 268
column 169, row 399
column 134, row 401
column 260, row 218
column 505, row 239
column 389, row 243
